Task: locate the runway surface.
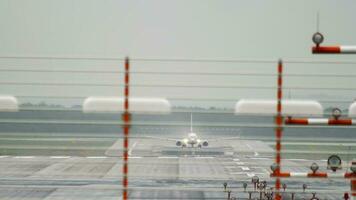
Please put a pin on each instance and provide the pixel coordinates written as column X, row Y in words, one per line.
column 157, row 170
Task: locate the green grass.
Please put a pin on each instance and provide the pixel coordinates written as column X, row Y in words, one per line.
column 316, row 151
column 53, row 146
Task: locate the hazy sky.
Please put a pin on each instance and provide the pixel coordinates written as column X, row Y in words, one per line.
column 175, row 29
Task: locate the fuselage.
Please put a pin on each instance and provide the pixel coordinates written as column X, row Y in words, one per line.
column 192, row 139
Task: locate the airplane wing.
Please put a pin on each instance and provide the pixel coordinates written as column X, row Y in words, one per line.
column 226, row 138
column 219, row 139
column 160, row 138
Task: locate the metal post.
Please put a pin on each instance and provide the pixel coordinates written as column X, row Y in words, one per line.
column 278, row 121
column 126, row 118
column 353, row 187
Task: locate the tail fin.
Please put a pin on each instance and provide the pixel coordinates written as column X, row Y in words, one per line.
column 191, row 122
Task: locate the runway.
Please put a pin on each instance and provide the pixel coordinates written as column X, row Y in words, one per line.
column 155, row 172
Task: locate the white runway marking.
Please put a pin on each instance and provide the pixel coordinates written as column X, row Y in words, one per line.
column 96, row 157
column 255, row 152
column 245, row 168
column 24, row 157
column 4, row 156
column 134, row 157
column 236, row 159
column 260, row 158
column 237, row 173
column 253, row 174
column 60, row 157
column 167, row 157
column 296, row 159
column 132, row 147
column 228, row 163
column 240, row 163
column 207, row 157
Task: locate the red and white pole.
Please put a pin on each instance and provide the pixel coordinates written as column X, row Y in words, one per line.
column 334, row 49
column 279, row 121
column 126, row 117
column 352, row 177
column 320, row 121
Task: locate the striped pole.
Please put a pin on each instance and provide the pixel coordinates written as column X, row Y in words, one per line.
column 279, row 121
column 320, row 121
column 353, row 188
column 352, row 177
column 314, row 175
column 334, row 50
column 126, row 118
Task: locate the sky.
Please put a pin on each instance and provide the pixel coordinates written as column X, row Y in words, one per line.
column 194, row 29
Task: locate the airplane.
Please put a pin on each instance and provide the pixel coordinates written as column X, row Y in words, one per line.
column 192, row 140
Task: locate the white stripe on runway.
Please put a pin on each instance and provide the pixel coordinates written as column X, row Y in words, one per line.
column 240, row 163
column 260, row 158
column 60, row 157
column 236, row 159
column 132, row 147
column 237, row 173
column 96, row 157
column 167, row 157
column 24, row 157
column 4, row 156
column 205, row 157
column 134, row 157
column 245, row 168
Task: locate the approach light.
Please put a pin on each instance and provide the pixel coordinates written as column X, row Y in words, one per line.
column 245, row 186
column 318, row 38
column 304, row 187
column 314, row 167
column 353, row 167
column 255, row 179
column 284, row 186
column 334, row 163
column 274, row 167
column 225, row 185
column 336, row 113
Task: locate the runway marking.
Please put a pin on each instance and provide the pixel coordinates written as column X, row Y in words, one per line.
column 237, row 173
column 255, row 152
column 296, row 159
column 254, row 174
column 134, row 157
column 240, row 163
column 260, row 158
column 60, row 157
column 228, row 163
column 207, row 157
column 236, row 159
column 24, row 157
column 96, row 157
column 167, row 157
column 245, row 168
column 4, row 156
column 132, row 147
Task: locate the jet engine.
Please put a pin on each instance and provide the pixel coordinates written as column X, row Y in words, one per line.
column 205, row 143
column 179, row 143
